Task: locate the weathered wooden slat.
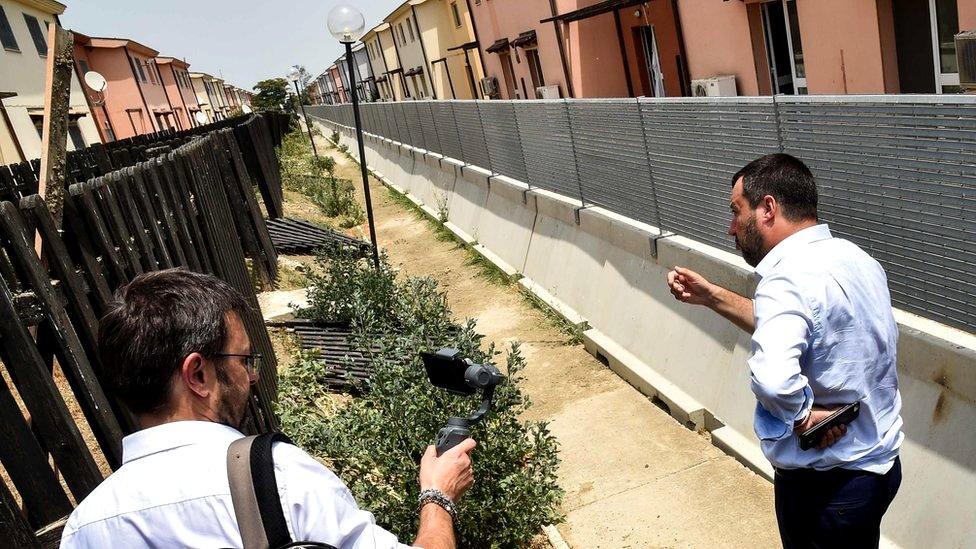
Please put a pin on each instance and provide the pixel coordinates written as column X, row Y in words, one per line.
column 246, row 190
column 77, row 239
column 139, row 191
column 121, row 183
column 68, row 348
column 117, row 225
column 181, row 170
column 60, row 264
column 26, row 463
column 81, row 199
column 44, row 403
column 178, row 203
column 14, row 530
column 164, row 214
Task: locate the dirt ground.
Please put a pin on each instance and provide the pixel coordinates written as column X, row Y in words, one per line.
column 557, row 370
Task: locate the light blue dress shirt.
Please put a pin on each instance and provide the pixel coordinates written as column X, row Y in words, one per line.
column 172, row 491
column 825, row 335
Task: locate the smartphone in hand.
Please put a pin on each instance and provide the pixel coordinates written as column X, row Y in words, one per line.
column 845, row 414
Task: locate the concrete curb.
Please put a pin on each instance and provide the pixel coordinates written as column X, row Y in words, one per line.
column 555, row 538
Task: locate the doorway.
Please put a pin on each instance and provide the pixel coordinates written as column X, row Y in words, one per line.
column 776, row 31
column 651, row 65
column 925, row 45
column 508, row 74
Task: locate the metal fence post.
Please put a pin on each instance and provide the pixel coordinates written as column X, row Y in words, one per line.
column 572, row 141
column 650, row 170
column 481, row 119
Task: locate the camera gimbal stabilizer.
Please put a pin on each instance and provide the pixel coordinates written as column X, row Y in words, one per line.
column 447, row 370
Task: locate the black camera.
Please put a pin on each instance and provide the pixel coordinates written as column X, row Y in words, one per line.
column 448, row 370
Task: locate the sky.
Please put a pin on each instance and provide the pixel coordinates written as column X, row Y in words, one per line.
column 241, row 41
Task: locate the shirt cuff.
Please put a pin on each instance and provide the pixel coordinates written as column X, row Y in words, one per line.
column 770, row 427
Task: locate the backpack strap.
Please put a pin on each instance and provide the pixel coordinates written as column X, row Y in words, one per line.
column 254, row 491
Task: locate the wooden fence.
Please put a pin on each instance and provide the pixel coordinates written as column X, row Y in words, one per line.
column 183, row 199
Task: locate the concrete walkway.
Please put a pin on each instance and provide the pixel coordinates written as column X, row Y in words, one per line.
column 633, row 476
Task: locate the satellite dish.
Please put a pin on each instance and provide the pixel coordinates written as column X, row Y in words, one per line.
column 200, row 117
column 96, row 81
column 247, row 109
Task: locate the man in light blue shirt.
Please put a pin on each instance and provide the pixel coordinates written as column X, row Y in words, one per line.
column 823, row 336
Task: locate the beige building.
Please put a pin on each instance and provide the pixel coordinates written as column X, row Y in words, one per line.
column 384, row 58
column 23, row 55
column 411, row 52
column 448, row 39
column 210, row 95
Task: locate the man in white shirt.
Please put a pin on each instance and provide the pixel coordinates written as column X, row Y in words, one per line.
column 175, row 351
column 823, row 336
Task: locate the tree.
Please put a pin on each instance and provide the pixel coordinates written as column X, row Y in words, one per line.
column 272, row 95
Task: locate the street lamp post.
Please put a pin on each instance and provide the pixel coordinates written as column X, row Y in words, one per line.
column 346, row 24
column 294, row 75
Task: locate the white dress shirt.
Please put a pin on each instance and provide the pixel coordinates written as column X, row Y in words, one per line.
column 172, row 491
column 825, row 335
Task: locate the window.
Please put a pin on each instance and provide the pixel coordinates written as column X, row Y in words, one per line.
column 457, row 16
column 36, row 34
column 403, row 39
column 410, row 28
column 944, row 15
column 7, row 38
column 137, row 69
column 423, row 82
column 74, row 132
column 83, row 67
column 152, row 73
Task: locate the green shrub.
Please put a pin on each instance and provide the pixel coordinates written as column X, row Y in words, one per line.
column 374, row 442
column 314, row 176
column 335, row 137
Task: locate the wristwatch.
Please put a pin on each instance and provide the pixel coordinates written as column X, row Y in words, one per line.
column 435, row 496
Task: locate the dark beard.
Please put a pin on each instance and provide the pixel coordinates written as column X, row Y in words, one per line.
column 751, row 244
column 233, row 402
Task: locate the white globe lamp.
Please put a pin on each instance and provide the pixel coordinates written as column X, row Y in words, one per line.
column 346, row 23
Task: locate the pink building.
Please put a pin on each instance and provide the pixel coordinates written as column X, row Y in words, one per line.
column 135, row 101
column 581, row 48
column 179, row 90
column 517, row 49
column 620, row 48
column 340, row 90
column 827, row 46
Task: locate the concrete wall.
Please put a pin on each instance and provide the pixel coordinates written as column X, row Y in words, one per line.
column 606, row 270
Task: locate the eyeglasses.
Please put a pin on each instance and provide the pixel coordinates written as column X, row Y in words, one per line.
column 252, row 361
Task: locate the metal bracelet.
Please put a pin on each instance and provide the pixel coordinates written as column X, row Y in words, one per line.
column 432, row 495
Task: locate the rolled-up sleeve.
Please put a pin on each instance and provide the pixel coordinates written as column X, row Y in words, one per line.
column 784, row 325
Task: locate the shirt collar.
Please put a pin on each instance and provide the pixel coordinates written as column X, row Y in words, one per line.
column 795, row 240
column 174, row 435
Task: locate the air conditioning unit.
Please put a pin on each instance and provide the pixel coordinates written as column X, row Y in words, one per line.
column 489, row 86
column 547, row 92
column 966, row 59
column 717, row 86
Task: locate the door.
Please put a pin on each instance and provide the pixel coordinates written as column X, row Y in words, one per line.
column 778, row 48
column 508, row 73
column 652, row 63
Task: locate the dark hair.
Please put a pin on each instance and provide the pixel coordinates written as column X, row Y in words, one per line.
column 154, row 323
column 786, row 179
